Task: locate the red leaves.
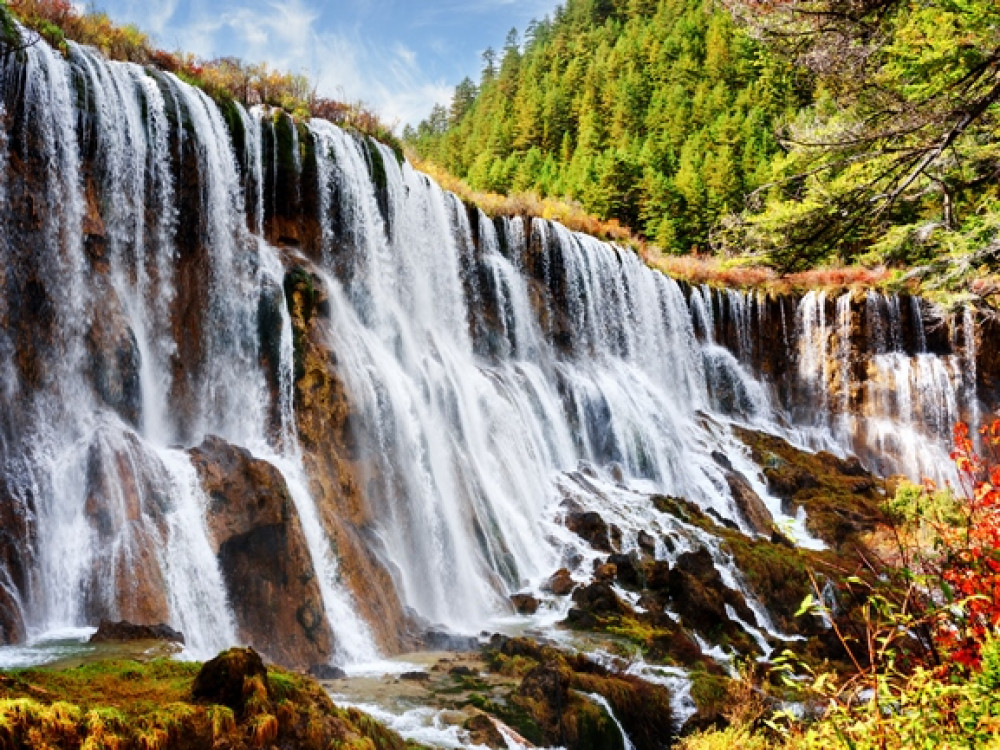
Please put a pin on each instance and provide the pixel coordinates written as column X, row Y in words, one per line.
column 972, row 553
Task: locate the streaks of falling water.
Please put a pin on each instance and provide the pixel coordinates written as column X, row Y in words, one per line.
column 470, row 450
column 111, row 495
column 597, row 365
column 907, row 403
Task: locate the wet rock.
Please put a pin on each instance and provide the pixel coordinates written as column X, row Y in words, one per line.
column 12, row 628
column 605, row 573
column 483, row 731
column 461, row 671
column 263, row 555
column 109, row 631
column 658, row 575
column 590, row 526
column 749, row 504
column 230, row 678
column 125, row 508
column 552, row 704
column 440, row 640
column 524, row 604
column 331, row 447
column 647, row 543
column 842, row 501
column 561, row 582
column 599, row 599
column 17, row 531
column 115, row 360
column 626, row 572
column 327, row 672
column 700, row 597
column 415, row 676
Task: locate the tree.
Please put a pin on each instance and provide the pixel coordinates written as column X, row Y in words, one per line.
column 899, row 150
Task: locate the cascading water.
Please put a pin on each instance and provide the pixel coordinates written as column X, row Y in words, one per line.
column 499, row 374
column 119, row 527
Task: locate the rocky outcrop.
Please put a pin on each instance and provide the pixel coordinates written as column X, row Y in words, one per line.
column 263, row 556
column 331, row 456
column 109, row 632
column 552, row 706
column 125, row 507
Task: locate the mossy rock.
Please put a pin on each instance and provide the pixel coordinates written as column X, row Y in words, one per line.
column 133, row 704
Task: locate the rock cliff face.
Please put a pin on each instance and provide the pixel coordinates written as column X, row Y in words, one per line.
column 263, row 555
column 262, row 381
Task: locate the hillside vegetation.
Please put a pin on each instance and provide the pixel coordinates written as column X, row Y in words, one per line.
column 794, row 133
column 658, row 114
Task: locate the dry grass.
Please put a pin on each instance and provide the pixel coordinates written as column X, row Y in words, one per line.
column 743, row 273
column 569, row 214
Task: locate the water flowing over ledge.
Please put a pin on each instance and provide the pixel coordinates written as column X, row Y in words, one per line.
column 238, row 351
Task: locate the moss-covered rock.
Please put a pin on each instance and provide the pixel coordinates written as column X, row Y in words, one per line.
column 842, row 501
column 553, row 705
column 232, row 702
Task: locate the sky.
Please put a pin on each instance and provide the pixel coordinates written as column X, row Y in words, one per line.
column 398, row 57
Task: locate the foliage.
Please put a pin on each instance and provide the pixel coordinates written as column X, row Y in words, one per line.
column 896, row 160
column 658, row 114
column 926, row 657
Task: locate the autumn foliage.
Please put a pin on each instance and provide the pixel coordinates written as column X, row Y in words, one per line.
column 970, row 568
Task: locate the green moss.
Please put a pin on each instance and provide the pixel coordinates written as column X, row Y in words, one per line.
column 283, row 124
column 302, row 298
column 376, row 165
column 710, row 692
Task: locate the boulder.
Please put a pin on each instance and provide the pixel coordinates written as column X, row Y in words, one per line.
column 599, row 599
column 626, row 572
column 590, row 526
column 108, row 632
column 561, row 582
column 483, row 731
column 524, row 604
column 263, row 555
column 605, row 572
column 231, row 678
column 327, row 672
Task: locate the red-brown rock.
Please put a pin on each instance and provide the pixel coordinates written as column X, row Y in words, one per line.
column 263, row 555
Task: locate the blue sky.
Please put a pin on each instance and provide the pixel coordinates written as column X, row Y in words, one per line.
column 399, row 57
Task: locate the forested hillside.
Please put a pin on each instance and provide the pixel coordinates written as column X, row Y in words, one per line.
column 797, row 132
column 659, row 114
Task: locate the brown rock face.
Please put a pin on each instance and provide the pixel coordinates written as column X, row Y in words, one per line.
column 747, row 501
column 16, row 535
column 323, row 414
column 125, row 507
column 114, row 359
column 263, row 554
column 590, row 526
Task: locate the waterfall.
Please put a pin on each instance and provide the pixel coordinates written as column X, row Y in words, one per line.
column 497, row 374
column 601, row 701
